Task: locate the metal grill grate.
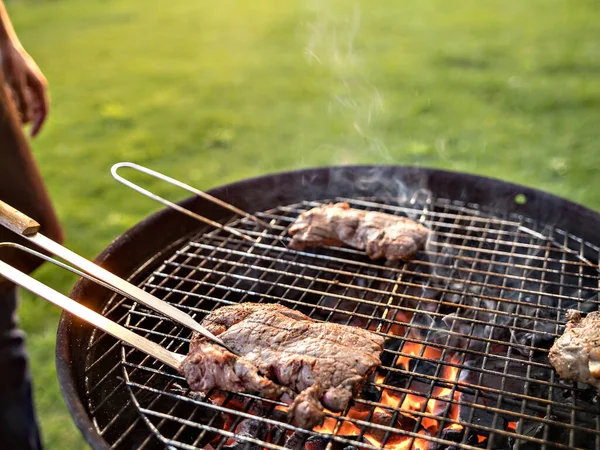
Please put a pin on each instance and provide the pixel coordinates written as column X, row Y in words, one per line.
column 468, row 325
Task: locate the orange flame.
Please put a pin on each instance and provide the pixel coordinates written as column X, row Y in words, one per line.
column 442, row 405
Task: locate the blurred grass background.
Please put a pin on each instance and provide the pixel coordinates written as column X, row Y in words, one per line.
column 212, row 92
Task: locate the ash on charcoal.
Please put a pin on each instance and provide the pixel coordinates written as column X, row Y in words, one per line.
column 464, row 329
column 320, row 442
column 276, row 435
column 502, row 291
column 535, row 429
column 296, row 440
column 517, row 370
column 250, row 428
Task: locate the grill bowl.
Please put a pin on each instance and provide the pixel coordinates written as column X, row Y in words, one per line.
column 144, row 248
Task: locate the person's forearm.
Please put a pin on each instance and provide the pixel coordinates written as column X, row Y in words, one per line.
column 7, row 32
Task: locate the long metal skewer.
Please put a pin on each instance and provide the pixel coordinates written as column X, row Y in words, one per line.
column 28, row 228
column 114, row 171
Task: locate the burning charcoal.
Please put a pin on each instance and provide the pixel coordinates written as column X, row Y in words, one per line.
column 494, row 378
column 379, row 417
column 371, row 392
column 296, row 440
column 359, row 440
column 422, row 367
column 320, row 442
column 531, row 429
column 454, row 435
column 384, row 418
column 536, row 338
column 251, row 428
column 496, row 440
column 393, row 345
column 276, row 435
column 556, row 434
column 475, row 415
column 471, row 440
column 396, row 379
column 278, row 415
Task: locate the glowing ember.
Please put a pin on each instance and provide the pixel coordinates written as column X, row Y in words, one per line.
column 413, row 349
column 511, row 426
column 397, row 400
column 407, row 443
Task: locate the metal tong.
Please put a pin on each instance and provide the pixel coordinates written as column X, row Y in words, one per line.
column 165, row 356
column 28, row 228
column 114, row 171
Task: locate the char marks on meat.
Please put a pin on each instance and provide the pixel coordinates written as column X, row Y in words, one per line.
column 283, row 352
column 381, row 235
column 576, row 354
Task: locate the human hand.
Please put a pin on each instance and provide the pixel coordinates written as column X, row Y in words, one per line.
column 26, row 82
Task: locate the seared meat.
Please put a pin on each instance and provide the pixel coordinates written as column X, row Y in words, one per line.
column 283, row 351
column 576, row 354
column 379, row 234
column 211, row 366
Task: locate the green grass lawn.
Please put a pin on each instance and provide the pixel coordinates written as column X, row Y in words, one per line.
column 211, row 92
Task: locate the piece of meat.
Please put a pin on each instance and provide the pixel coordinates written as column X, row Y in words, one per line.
column 212, row 366
column 283, row 351
column 381, row 235
column 576, row 354
column 306, row 408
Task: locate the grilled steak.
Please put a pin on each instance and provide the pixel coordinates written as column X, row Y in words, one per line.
column 283, row 352
column 379, row 234
column 576, row 354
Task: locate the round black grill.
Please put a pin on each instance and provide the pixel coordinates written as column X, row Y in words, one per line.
column 468, row 325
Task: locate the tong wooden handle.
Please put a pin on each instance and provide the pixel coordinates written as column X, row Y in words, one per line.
column 16, row 221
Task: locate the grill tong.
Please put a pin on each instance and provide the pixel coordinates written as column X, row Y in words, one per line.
column 28, row 228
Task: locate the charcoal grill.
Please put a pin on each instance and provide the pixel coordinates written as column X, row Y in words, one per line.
column 468, row 324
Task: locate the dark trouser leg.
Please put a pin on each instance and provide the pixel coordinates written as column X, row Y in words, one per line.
column 18, row 425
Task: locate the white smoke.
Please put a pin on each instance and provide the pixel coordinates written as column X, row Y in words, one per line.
column 331, row 44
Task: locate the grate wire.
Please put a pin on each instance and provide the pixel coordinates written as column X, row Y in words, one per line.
column 488, row 295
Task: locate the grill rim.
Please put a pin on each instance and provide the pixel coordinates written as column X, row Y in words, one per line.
column 124, row 254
